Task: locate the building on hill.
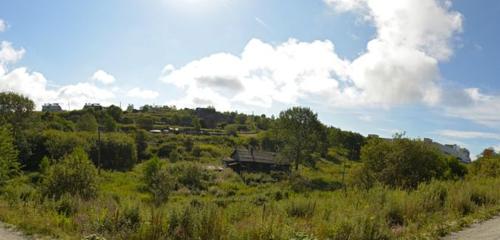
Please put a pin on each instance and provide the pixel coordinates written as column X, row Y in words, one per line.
column 95, row 106
column 250, row 160
column 452, row 149
column 52, row 107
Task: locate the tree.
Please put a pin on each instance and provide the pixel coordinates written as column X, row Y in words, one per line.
column 145, row 122
column 87, row 122
column 115, row 112
column 196, row 124
column 109, row 123
column 75, row 175
column 141, row 141
column 9, row 165
column 402, row 162
column 300, row 132
column 15, row 109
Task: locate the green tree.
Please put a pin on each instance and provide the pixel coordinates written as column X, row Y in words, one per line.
column 196, row 124
column 75, row 175
column 402, row 162
column 300, row 133
column 9, row 165
column 145, row 122
column 109, row 123
column 157, row 180
column 141, row 141
column 15, row 109
column 87, row 122
column 115, row 112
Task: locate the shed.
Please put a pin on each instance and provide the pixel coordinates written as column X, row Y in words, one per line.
column 250, row 160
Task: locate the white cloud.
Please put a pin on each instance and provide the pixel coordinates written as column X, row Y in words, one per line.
column 476, row 106
column 3, row 25
column 261, row 75
column 35, row 86
column 400, row 65
column 8, row 54
column 468, row 134
column 103, row 77
column 142, row 93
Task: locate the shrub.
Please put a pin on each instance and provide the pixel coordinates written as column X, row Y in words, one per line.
column 165, row 149
column 75, row 175
column 118, row 151
column 9, row 165
column 190, row 175
column 402, row 162
column 158, row 180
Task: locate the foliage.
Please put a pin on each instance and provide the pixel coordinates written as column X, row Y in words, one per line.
column 145, row 122
column 15, row 109
column 350, row 141
column 141, row 141
column 75, row 175
column 9, row 165
column 87, row 122
column 158, row 180
column 402, row 162
column 115, row 112
column 486, row 166
column 109, row 123
column 301, row 133
column 118, row 151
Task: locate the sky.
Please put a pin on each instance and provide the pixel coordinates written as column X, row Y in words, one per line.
column 425, row 67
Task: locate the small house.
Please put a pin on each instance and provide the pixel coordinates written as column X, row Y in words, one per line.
column 51, row 107
column 94, row 106
column 250, row 160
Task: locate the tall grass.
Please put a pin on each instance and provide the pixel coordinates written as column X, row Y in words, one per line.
column 254, row 212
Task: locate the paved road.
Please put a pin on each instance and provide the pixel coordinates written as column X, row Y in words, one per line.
column 488, row 230
column 7, row 233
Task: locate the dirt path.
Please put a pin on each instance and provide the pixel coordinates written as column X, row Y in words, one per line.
column 488, row 230
column 7, row 233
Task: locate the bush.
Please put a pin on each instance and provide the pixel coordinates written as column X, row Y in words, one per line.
column 75, row 175
column 402, row 162
column 158, row 180
column 9, row 165
column 118, row 151
column 190, row 175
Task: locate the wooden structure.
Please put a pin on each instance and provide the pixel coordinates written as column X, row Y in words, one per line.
column 250, row 160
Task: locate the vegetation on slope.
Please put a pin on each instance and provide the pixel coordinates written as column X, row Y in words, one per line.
column 168, row 186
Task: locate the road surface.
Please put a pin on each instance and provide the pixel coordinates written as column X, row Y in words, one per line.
column 7, row 233
column 488, row 230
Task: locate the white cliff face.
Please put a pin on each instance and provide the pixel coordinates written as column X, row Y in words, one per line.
column 456, row 151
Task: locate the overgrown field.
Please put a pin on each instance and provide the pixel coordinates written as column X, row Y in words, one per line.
column 155, row 173
column 225, row 207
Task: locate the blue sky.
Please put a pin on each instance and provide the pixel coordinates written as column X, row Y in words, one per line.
column 427, row 67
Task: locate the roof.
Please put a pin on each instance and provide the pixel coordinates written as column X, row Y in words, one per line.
column 246, row 155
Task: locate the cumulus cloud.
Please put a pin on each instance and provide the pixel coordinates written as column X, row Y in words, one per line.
column 261, row 75
column 3, row 25
column 103, row 77
column 142, row 93
column 400, row 65
column 34, row 85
